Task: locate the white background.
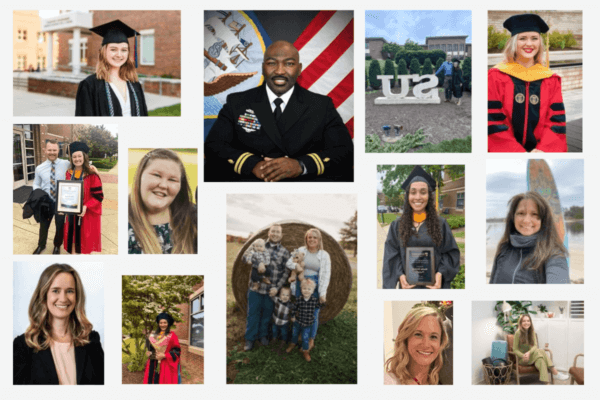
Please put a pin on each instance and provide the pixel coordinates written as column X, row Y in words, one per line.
column 187, row 131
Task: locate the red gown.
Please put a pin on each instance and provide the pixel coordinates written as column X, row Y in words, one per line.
column 169, row 366
column 525, row 109
column 86, row 237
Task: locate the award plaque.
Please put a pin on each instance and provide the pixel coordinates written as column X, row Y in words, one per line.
column 69, row 198
column 420, row 266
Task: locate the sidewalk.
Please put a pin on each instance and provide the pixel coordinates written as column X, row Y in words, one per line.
column 26, row 231
column 45, row 105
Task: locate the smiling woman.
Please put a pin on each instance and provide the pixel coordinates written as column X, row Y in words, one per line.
column 59, row 346
column 114, row 90
column 162, row 215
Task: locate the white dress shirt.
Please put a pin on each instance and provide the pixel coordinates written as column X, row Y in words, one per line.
column 125, row 105
column 42, row 174
column 285, row 97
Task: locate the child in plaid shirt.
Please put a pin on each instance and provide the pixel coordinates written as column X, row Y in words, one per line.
column 305, row 316
column 260, row 260
column 282, row 311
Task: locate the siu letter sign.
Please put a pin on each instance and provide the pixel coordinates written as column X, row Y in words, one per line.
column 430, row 97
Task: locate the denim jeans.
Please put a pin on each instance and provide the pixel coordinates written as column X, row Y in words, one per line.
column 260, row 310
column 305, row 331
column 283, row 329
column 315, row 325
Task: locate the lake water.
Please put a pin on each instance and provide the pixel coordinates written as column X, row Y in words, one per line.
column 575, row 234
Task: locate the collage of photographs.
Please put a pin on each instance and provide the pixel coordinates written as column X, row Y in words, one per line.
column 90, row 289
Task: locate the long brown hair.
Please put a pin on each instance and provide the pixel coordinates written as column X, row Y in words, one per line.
column 548, row 243
column 39, row 332
column 85, row 167
column 527, row 337
column 398, row 364
column 183, row 213
column 405, row 226
column 127, row 71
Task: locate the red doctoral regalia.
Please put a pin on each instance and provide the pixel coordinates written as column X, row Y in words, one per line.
column 525, row 109
column 167, row 372
column 85, row 237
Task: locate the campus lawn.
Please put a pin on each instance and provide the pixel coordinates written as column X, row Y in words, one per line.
column 170, row 111
column 334, row 358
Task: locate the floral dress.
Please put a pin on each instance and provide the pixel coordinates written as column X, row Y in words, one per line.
column 164, row 234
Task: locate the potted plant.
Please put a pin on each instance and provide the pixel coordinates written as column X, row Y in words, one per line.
column 543, row 309
column 509, row 322
column 562, row 311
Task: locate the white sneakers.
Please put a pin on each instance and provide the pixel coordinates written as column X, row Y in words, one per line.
column 561, row 376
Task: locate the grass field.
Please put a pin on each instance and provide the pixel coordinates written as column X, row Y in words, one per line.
column 388, row 218
column 334, row 356
column 170, row 111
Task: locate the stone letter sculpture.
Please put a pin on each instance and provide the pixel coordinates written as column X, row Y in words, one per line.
column 431, row 97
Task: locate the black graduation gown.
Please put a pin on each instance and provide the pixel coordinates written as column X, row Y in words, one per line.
column 91, row 99
column 31, row 368
column 447, row 256
column 457, row 80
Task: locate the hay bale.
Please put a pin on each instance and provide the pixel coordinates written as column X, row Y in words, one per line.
column 340, row 283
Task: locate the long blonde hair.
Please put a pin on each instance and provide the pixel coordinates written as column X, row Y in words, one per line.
column 527, row 337
column 127, row 71
column 399, row 362
column 317, row 234
column 183, row 213
column 39, row 332
column 510, row 51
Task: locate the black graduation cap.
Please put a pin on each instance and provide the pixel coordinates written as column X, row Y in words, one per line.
column 165, row 316
column 418, row 174
column 117, row 32
column 525, row 23
column 455, row 60
column 78, row 146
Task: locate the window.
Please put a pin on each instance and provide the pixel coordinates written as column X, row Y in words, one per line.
column 21, row 62
column 576, row 309
column 443, row 47
column 82, row 51
column 366, row 45
column 22, row 35
column 460, row 200
column 462, row 47
column 41, row 37
column 455, row 46
column 147, row 47
column 197, row 321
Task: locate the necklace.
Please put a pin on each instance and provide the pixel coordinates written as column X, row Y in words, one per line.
column 416, row 380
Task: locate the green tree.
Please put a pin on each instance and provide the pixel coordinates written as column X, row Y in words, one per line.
column 440, row 76
column 99, row 140
column 402, row 69
column 144, row 297
column 391, row 48
column 415, row 67
column 389, row 69
column 410, row 45
column 374, row 70
column 466, row 68
column 349, row 234
column 395, row 175
column 427, row 67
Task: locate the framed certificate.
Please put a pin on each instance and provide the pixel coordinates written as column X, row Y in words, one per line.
column 69, row 199
column 420, row 266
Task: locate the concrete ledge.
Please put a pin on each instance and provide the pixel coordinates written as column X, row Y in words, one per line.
column 406, row 100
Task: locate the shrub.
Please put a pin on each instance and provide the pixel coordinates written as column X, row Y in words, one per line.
column 570, row 40
column 466, row 68
column 427, row 67
column 420, row 55
column 402, row 69
column 368, row 57
column 562, row 41
column 388, row 69
column 366, row 80
column 440, row 76
column 497, row 40
column 455, row 221
column 415, row 67
column 459, row 280
column 374, row 70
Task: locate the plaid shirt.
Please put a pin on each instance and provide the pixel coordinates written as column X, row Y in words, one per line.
column 279, row 273
column 282, row 311
column 305, row 310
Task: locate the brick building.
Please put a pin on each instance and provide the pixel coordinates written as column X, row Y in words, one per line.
column 159, row 43
column 29, row 141
column 191, row 332
column 374, row 47
column 29, row 43
column 456, row 46
column 453, row 195
column 561, row 20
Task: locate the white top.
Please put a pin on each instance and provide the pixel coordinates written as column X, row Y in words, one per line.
column 125, row 105
column 63, row 355
column 285, row 97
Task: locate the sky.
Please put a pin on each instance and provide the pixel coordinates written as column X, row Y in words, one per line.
column 397, row 26
column 112, row 128
column 506, row 178
column 248, row 213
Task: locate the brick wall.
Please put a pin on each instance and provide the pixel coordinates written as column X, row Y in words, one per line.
column 167, row 40
column 169, row 87
column 54, row 87
column 449, row 192
column 572, row 77
column 375, row 49
column 189, row 360
column 562, row 21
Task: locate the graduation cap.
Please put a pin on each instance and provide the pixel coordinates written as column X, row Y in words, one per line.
column 78, row 146
column 166, row 317
column 117, row 32
column 418, row 174
column 525, row 23
column 455, row 60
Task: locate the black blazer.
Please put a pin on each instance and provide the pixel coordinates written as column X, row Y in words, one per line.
column 91, row 99
column 311, row 131
column 31, row 368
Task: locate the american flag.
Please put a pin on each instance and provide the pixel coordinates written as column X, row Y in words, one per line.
column 326, row 49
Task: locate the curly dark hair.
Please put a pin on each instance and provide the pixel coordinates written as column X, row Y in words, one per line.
column 405, row 226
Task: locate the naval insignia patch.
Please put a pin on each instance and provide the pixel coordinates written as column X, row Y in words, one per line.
column 249, row 121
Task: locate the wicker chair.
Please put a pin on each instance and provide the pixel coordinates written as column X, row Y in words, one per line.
column 521, row 370
column 576, row 372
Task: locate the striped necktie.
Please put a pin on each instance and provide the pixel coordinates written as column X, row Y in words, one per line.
column 53, row 182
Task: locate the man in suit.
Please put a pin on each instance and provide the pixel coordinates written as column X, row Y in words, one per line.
column 279, row 131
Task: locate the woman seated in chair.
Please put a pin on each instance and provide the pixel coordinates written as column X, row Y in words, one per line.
column 526, row 349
